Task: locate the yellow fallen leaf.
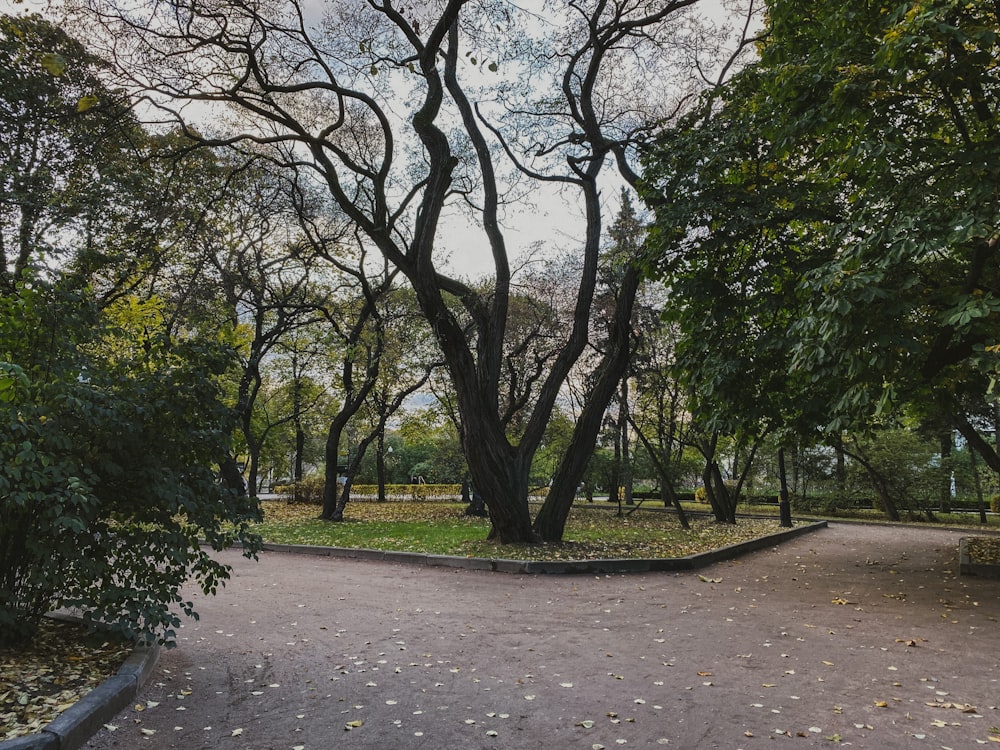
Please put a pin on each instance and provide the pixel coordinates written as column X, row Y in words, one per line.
column 353, row 725
column 881, row 704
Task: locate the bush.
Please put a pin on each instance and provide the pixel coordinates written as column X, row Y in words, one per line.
column 310, row 490
column 106, row 477
column 995, row 503
column 307, row 490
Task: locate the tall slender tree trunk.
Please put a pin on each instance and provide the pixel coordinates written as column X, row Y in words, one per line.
column 944, row 491
column 841, row 470
column 380, row 465
column 623, row 425
column 785, row 505
column 978, row 482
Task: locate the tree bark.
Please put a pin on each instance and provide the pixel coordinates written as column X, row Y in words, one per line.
column 944, row 491
column 785, row 505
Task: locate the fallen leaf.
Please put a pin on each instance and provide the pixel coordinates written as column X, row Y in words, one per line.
column 353, row 725
column 236, row 733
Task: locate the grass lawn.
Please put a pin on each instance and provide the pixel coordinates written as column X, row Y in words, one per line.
column 592, row 533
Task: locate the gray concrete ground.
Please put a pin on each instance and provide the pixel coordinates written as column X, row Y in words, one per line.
column 858, row 636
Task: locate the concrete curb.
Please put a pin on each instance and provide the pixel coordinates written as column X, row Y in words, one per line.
column 73, row 727
column 562, row 567
column 969, row 568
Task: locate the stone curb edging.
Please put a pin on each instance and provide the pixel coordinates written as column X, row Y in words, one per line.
column 497, row 565
column 968, row 568
column 77, row 724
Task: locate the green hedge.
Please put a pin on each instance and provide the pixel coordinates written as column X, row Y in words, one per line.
column 310, row 490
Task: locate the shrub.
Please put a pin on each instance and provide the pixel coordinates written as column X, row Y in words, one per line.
column 307, row 490
column 106, row 477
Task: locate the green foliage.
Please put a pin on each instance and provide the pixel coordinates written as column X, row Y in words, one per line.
column 106, row 478
column 66, row 143
column 827, row 221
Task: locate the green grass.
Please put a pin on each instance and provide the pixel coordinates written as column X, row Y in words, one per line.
column 442, row 528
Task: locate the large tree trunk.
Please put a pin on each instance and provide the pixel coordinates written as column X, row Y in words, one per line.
column 500, row 477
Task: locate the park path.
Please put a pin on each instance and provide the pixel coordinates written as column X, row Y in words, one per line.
column 854, row 634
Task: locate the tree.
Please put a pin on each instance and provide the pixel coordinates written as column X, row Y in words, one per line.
column 111, row 420
column 321, row 99
column 847, row 187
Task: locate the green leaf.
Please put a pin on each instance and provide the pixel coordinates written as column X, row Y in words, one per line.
column 54, row 63
column 87, row 102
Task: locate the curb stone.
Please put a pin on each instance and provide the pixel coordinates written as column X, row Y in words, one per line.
column 77, row 724
column 560, row 567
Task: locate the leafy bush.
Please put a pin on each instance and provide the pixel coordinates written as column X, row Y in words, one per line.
column 106, row 478
column 307, row 490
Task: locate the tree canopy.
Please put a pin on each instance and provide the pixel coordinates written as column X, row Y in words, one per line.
column 827, row 221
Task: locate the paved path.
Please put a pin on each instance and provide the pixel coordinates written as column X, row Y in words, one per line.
column 860, row 636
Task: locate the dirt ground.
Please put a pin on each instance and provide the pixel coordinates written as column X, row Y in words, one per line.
column 861, row 636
